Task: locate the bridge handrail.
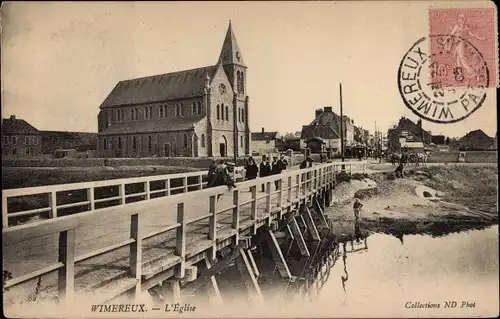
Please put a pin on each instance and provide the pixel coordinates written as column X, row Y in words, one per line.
column 91, row 201
column 308, row 180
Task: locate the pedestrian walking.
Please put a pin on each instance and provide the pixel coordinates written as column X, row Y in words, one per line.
column 357, row 208
column 264, row 169
column 399, row 170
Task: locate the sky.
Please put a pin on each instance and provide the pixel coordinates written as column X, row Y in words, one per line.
column 61, row 60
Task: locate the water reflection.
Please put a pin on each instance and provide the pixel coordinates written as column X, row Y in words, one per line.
column 403, row 268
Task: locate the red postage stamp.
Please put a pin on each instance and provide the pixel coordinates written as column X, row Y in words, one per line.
column 464, row 53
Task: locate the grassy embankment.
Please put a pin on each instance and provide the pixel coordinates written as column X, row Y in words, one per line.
column 467, row 200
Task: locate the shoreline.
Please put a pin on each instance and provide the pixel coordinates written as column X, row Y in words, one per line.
column 433, row 201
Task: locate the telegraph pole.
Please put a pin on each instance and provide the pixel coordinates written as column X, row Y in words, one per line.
column 341, row 129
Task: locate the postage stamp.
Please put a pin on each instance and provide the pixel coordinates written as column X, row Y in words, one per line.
column 468, row 49
column 437, row 98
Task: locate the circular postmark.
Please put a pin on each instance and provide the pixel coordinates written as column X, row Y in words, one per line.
column 443, row 78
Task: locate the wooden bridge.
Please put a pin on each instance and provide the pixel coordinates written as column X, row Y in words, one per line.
column 106, row 252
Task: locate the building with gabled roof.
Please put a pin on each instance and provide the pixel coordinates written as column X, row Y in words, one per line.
column 265, row 142
column 19, row 138
column 476, row 140
column 196, row 112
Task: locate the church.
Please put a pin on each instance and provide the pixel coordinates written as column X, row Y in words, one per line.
column 192, row 113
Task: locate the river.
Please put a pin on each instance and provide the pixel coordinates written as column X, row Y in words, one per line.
column 407, row 277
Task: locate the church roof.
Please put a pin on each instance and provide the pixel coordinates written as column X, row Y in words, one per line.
column 230, row 52
column 163, row 87
column 158, row 126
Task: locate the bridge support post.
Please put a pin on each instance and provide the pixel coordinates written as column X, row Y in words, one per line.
column 212, row 225
column 278, row 257
column 299, row 239
column 253, row 209
column 311, row 225
column 171, row 290
column 66, row 274
column 136, row 252
column 253, row 263
column 213, row 287
column 247, row 274
column 320, row 211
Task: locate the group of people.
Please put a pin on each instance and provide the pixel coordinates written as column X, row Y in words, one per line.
column 223, row 173
column 406, row 158
column 265, row 168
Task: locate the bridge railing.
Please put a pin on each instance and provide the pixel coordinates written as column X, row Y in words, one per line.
column 52, row 201
column 293, row 185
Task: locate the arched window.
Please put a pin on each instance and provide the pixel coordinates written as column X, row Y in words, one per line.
column 136, row 114
column 241, row 141
column 104, row 143
column 199, row 107
column 227, row 113
column 222, row 112
column 218, row 111
column 146, row 114
column 161, row 111
column 193, row 108
column 134, row 142
column 150, row 143
column 182, row 109
column 119, row 143
column 202, row 140
column 238, row 81
column 185, row 140
column 242, row 85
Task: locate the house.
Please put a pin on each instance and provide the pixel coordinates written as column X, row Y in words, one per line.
column 316, row 144
column 81, row 142
column 19, row 138
column 326, row 116
column 475, row 141
column 326, row 133
column 407, row 131
column 198, row 112
column 265, row 142
column 438, row 139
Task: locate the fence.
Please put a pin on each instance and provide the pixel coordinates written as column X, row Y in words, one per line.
column 299, row 184
column 50, row 201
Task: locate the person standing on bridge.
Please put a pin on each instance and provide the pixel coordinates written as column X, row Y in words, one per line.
column 251, row 170
column 283, row 162
column 211, row 173
column 222, row 176
column 275, row 170
column 265, row 169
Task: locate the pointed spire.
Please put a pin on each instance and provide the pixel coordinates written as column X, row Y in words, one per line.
column 230, row 53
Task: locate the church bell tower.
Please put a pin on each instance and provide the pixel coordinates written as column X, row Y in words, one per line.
column 236, row 71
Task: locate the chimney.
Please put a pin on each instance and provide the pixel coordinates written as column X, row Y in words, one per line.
column 328, row 109
column 318, row 112
column 12, row 117
column 262, row 130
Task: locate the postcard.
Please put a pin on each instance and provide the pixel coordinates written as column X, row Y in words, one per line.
column 281, row 159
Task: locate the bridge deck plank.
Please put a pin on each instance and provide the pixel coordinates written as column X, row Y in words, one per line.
column 109, row 229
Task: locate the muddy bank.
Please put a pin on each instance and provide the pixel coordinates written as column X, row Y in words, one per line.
column 429, row 200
